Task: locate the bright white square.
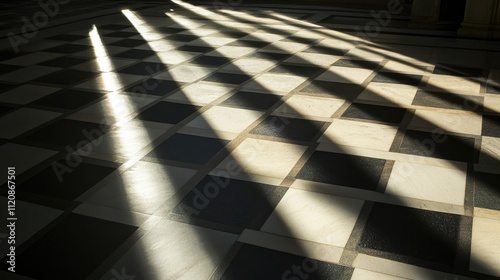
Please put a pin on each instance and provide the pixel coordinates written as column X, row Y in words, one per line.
column 314, row 217
column 361, row 274
column 200, row 93
column 185, row 73
column 427, row 182
column 171, row 57
column 300, row 105
column 212, row 41
column 284, row 47
column 231, row 51
column 228, row 119
column 360, row 134
column 275, row 83
column 446, row 83
column 23, row 120
column 249, row 65
column 467, row 123
column 400, row 67
column 265, row 158
column 313, row 58
column 386, row 93
column 485, row 247
column 345, row 75
column 26, row 94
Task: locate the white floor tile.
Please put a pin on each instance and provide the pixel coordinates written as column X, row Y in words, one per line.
column 23, row 120
column 485, row 247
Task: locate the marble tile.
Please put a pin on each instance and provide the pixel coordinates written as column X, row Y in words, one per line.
column 201, row 93
column 23, row 120
column 362, row 274
column 490, row 150
column 265, row 158
column 492, row 104
column 315, row 217
column 232, row 51
column 409, row 68
column 185, row 73
column 28, row 73
column 466, row 123
column 309, row 106
column 453, row 84
column 26, row 93
column 109, row 82
column 284, row 47
column 173, row 250
column 32, row 58
column 171, row 57
column 318, row 59
column 35, row 217
column 275, row 83
column 391, row 94
column 485, row 246
column 227, row 119
column 360, row 134
column 345, row 75
column 249, row 65
column 427, row 182
column 142, row 188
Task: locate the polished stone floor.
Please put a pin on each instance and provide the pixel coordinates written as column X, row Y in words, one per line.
column 166, row 140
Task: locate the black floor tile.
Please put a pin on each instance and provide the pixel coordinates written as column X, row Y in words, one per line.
column 251, row 100
column 121, row 34
column 114, row 26
column 68, row 48
column 339, row 90
column 67, row 37
column 135, row 54
column 228, row 78
column 128, row 43
column 491, row 126
column 452, row 148
column 65, row 179
column 248, row 43
column 326, row 50
column 168, row 112
column 341, row 169
column 374, row 112
column 188, row 148
column 78, row 244
column 230, row 202
column 199, row 49
column 457, row 71
column 215, row 61
column 65, row 77
column 230, row 34
column 5, row 109
column 68, row 99
column 5, row 87
column 487, row 191
column 448, row 101
column 288, row 128
column 298, row 39
column 63, row 62
column 253, row 262
column 153, row 86
column 144, row 68
column 67, row 133
column 5, row 68
column 493, row 88
column 182, row 37
column 365, row 64
column 397, row 78
column 416, row 233
column 304, row 71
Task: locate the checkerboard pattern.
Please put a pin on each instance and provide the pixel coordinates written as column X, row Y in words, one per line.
column 185, row 142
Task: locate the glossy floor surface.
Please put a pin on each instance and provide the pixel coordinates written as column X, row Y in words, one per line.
column 171, row 141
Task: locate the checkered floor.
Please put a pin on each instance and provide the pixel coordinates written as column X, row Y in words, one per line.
column 171, row 141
